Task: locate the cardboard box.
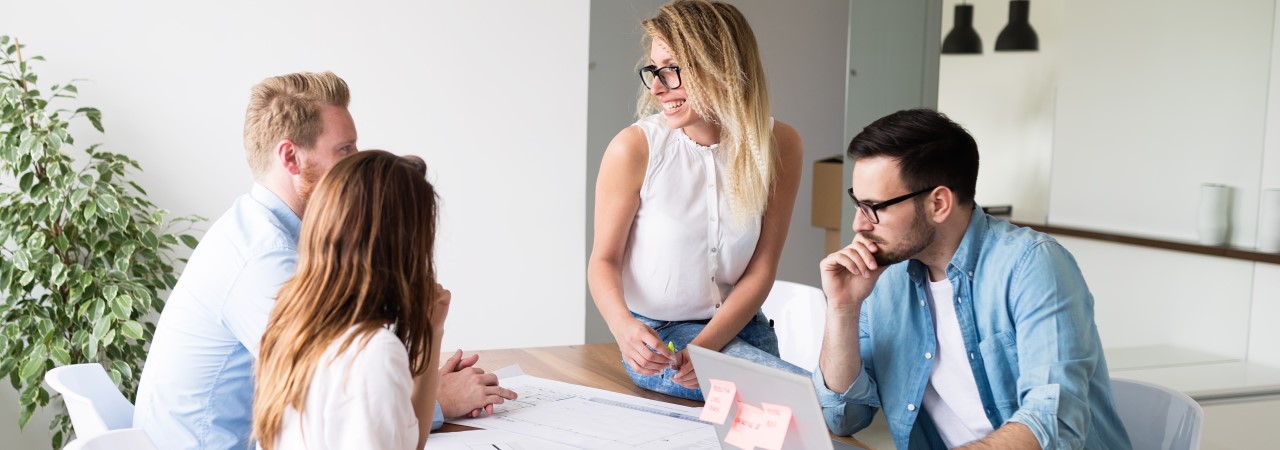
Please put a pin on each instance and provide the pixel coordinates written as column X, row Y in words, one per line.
column 833, row 241
column 828, row 193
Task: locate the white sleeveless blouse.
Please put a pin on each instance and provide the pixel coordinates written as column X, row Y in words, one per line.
column 686, row 251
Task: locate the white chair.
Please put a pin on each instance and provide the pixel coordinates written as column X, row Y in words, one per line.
column 93, row 400
column 122, row 439
column 799, row 314
column 1157, row 417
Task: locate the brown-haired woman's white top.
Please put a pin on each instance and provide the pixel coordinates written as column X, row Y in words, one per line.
column 360, row 398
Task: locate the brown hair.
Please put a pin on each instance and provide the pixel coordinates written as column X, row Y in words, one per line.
column 288, row 107
column 364, row 262
column 724, row 75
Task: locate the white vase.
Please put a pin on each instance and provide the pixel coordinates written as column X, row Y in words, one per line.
column 1269, row 222
column 1214, row 221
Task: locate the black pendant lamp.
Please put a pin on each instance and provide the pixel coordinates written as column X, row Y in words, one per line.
column 963, row 39
column 1018, row 35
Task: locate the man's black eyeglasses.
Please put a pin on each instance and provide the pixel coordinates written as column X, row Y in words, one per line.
column 669, row 76
column 869, row 210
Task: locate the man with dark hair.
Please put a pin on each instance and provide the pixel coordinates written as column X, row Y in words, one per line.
column 982, row 337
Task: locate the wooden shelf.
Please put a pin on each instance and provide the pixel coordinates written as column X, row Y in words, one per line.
column 1246, row 254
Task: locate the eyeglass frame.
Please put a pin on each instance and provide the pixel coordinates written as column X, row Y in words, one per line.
column 655, row 70
column 871, row 211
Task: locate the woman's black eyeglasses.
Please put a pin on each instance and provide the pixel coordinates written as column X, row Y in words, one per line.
column 669, row 76
column 869, row 210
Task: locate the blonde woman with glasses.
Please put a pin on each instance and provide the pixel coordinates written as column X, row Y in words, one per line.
column 693, row 202
column 349, row 354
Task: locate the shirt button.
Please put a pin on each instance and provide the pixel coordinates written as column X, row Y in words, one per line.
column 959, row 300
column 988, row 410
column 972, row 356
column 928, row 355
column 921, row 302
column 713, row 249
column 911, row 407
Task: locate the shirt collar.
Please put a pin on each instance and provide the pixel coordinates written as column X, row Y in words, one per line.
column 965, row 259
column 286, row 216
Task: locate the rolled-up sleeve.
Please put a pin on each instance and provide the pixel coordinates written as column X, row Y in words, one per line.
column 1057, row 346
column 851, row 411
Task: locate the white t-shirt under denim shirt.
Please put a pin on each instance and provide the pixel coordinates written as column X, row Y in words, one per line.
column 360, row 398
column 952, row 397
column 685, row 251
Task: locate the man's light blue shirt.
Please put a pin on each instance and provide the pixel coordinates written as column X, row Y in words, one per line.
column 196, row 390
column 1026, row 316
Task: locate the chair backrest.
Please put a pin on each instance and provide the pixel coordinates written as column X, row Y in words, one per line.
column 122, row 439
column 799, row 314
column 93, row 401
column 1157, row 417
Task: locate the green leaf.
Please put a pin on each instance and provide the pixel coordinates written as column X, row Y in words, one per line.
column 55, row 142
column 28, row 179
column 110, row 292
column 90, row 210
column 60, row 356
column 25, row 416
column 122, row 306
column 124, row 369
column 107, row 203
column 42, row 212
column 31, row 366
column 189, row 240
column 131, row 329
column 101, row 326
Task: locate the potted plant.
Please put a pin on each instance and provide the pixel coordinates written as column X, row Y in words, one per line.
column 84, row 255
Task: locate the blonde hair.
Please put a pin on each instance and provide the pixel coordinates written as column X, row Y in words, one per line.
column 721, row 69
column 364, row 261
column 288, row 107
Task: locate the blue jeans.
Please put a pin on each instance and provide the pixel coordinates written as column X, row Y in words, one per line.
column 757, row 342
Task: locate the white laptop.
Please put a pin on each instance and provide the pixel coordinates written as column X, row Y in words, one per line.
column 758, row 384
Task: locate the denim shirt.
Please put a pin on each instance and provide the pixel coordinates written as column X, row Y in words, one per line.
column 196, row 390
column 1026, row 317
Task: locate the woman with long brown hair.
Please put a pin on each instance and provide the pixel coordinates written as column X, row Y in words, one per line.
column 351, row 348
column 693, row 202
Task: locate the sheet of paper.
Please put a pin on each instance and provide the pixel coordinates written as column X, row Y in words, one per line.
column 745, row 431
column 489, row 440
column 720, row 401
column 777, row 419
column 593, row 418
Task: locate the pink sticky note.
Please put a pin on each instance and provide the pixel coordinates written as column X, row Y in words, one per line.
column 777, row 419
column 745, row 431
column 719, row 400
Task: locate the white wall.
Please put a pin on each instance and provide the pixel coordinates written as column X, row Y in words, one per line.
column 1006, row 101
column 1156, row 97
column 491, row 94
column 802, row 44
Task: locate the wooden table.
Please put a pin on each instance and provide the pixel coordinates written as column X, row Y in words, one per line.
column 594, row 365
